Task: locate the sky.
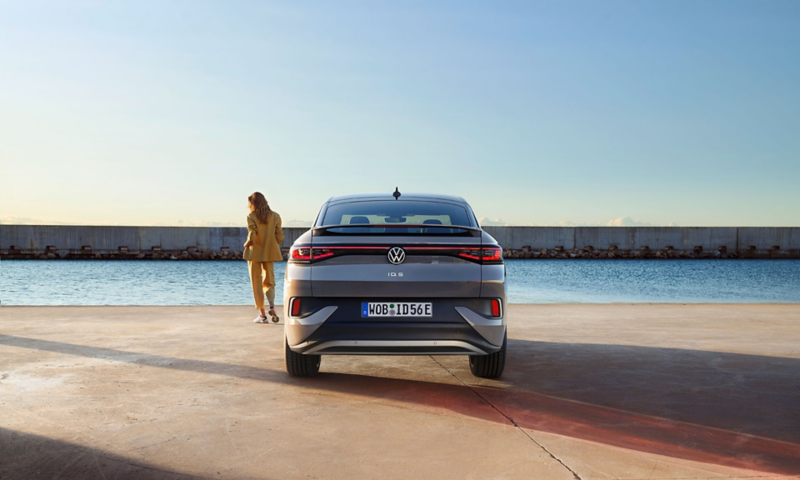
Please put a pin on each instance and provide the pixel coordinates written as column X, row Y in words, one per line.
column 537, row 113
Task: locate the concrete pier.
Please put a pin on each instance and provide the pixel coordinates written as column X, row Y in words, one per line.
column 590, row 391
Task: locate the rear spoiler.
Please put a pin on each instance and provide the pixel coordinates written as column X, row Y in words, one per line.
column 317, row 231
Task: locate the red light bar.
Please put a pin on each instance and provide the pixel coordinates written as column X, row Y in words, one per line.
column 365, row 247
column 296, row 307
column 484, row 255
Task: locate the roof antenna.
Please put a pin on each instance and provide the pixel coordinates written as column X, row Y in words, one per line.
column 396, row 194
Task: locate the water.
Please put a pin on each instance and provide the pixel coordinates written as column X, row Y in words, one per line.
column 529, row 281
column 670, row 281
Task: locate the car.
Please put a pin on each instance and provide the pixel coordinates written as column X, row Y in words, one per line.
column 395, row 274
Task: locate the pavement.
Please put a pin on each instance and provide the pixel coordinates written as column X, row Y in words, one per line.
column 643, row 391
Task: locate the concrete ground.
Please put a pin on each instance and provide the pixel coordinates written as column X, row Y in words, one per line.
column 590, row 391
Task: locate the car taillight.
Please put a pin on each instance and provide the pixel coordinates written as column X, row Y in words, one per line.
column 492, row 255
column 296, row 307
column 486, row 255
column 300, row 254
column 495, row 308
column 306, row 254
column 320, row 253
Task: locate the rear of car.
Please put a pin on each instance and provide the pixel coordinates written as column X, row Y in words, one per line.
column 395, row 275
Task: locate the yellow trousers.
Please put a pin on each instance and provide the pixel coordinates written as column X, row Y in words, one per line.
column 262, row 277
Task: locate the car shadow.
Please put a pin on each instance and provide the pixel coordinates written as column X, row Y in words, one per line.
column 753, row 394
column 714, row 407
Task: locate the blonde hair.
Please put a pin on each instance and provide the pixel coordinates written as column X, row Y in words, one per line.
column 260, row 206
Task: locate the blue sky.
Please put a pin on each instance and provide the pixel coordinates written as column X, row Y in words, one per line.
column 536, row 112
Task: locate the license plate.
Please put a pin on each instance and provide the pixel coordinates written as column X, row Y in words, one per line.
column 396, row 309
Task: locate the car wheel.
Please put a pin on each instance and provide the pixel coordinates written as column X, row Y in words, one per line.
column 299, row 365
column 489, row 366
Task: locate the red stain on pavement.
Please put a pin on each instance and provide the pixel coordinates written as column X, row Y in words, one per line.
column 609, row 426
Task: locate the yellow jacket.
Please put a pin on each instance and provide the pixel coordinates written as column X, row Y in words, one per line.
column 266, row 239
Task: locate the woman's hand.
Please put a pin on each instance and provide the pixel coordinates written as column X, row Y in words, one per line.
column 248, row 243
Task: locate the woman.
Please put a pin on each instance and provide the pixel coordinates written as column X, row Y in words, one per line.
column 264, row 236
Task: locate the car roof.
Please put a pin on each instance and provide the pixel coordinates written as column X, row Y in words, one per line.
column 358, row 197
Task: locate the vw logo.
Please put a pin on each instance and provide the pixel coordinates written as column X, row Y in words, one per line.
column 397, row 255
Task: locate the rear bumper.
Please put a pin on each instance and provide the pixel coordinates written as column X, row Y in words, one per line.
column 391, row 347
column 334, row 326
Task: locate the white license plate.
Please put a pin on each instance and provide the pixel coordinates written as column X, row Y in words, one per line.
column 396, row 309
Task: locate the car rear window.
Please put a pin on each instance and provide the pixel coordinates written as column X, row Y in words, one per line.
column 397, row 213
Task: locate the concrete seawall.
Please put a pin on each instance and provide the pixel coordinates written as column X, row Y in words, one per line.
column 755, row 242
column 108, row 239
column 66, row 241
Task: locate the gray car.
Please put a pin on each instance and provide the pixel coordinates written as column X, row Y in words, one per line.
column 395, row 274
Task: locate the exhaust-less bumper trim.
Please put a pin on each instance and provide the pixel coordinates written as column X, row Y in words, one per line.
column 390, row 347
column 298, row 329
column 491, row 329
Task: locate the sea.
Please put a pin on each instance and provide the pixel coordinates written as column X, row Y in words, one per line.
column 115, row 282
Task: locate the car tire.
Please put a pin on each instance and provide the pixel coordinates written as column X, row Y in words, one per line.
column 489, row 366
column 299, row 365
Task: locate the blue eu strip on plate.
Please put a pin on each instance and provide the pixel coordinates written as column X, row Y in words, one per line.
column 364, row 309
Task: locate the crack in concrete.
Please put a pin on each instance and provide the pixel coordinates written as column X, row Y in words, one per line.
column 510, row 420
column 153, row 444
